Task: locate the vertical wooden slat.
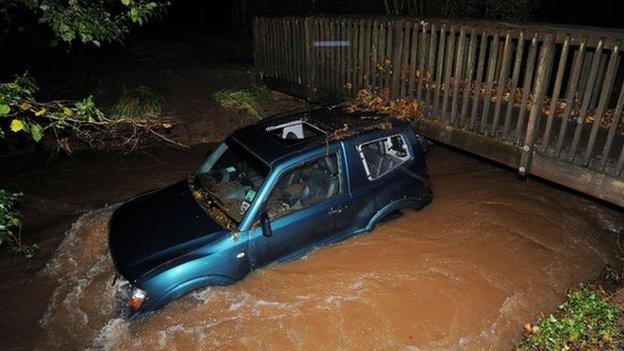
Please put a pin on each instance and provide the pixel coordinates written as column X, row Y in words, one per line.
column 513, row 85
column 552, row 111
column 348, row 59
column 589, row 56
column 327, row 72
column 397, row 51
column 363, row 60
column 356, row 69
column 359, row 56
column 580, row 122
column 295, row 56
column 345, row 55
column 613, row 129
column 387, row 54
column 541, row 84
column 422, row 54
column 381, row 52
column 477, row 81
column 302, row 51
column 368, row 39
column 526, row 90
column 409, row 50
column 256, row 47
column 276, row 43
column 291, row 50
column 439, row 70
column 502, row 82
column 372, row 56
column 448, row 67
column 430, row 69
column 281, row 37
column 459, row 60
column 310, row 61
column 340, row 57
column 318, row 53
column 286, row 34
column 414, row 49
column 335, row 48
column 620, row 163
column 329, row 51
column 573, row 83
column 472, row 52
column 607, row 85
column 604, row 57
column 267, row 45
column 321, row 54
column 491, row 71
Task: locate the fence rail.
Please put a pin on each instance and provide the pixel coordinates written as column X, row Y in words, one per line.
column 545, row 99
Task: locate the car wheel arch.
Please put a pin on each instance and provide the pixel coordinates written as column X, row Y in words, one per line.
column 386, row 210
column 189, row 286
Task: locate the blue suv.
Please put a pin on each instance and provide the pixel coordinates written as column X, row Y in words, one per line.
column 270, row 192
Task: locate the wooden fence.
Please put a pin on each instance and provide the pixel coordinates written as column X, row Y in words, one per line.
column 544, row 99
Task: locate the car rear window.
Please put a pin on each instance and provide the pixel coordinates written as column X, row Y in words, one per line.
column 381, row 156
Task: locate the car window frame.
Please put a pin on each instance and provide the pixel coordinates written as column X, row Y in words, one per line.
column 358, row 149
column 341, row 174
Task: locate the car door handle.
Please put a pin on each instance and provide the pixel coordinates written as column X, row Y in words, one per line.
column 337, row 209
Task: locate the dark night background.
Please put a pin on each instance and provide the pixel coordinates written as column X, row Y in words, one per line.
column 27, row 43
column 503, row 249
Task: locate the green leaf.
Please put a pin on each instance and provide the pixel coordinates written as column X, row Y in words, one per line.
column 4, row 109
column 36, row 131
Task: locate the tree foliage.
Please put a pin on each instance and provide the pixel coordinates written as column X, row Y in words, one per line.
column 94, row 22
column 11, row 226
column 79, row 121
column 482, row 9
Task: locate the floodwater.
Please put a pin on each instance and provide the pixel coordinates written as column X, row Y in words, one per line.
column 466, row 272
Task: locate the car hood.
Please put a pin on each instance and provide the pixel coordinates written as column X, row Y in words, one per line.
column 154, row 228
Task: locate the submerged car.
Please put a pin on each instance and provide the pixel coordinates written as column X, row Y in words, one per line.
column 270, row 192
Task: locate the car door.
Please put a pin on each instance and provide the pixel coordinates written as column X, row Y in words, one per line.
column 374, row 181
column 303, row 207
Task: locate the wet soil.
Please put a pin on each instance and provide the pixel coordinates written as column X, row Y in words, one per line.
column 466, row 272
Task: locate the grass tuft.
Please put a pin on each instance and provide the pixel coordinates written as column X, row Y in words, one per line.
column 137, row 103
column 246, row 100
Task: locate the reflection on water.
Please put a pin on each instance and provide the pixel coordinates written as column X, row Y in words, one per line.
column 466, row 272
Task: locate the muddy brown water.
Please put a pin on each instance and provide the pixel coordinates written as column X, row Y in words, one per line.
column 466, row 272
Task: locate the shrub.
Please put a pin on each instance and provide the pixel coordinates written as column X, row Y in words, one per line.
column 588, row 320
column 137, row 103
column 248, row 100
column 11, row 226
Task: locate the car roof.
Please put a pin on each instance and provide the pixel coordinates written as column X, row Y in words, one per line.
column 327, row 125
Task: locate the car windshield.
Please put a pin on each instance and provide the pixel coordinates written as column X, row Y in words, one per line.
column 231, row 177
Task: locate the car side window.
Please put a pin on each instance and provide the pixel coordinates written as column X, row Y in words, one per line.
column 305, row 185
column 380, row 156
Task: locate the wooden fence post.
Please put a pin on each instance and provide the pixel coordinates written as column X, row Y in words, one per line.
column 309, row 60
column 541, row 84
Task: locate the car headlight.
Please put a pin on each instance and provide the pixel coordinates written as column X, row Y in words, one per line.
column 138, row 296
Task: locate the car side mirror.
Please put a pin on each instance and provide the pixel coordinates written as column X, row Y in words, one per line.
column 265, row 222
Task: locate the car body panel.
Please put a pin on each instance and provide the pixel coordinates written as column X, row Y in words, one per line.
column 190, row 250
